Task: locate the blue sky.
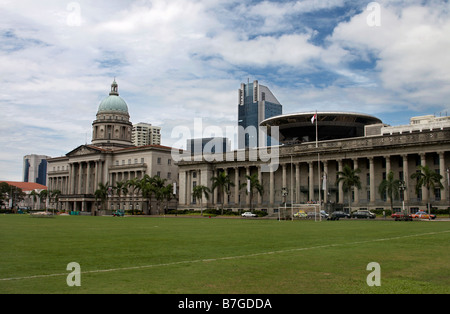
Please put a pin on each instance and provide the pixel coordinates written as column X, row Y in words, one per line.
column 177, row 60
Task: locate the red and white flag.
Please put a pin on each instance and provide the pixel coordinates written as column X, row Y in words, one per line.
column 313, row 118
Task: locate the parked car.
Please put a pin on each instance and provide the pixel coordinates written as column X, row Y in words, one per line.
column 300, row 214
column 249, row 214
column 338, row 214
column 401, row 216
column 363, row 214
column 323, row 214
column 423, row 215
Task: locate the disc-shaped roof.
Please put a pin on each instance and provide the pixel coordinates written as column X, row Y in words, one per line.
column 299, row 127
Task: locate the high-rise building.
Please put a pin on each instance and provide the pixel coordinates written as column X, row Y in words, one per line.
column 213, row 145
column 256, row 103
column 35, row 168
column 146, row 134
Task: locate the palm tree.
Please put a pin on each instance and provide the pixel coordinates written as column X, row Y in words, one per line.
column 43, row 196
column 121, row 187
column 135, row 185
column 159, row 187
column 147, row 189
column 254, row 184
column 390, row 186
column 34, row 196
column 223, row 183
column 428, row 179
column 167, row 192
column 198, row 192
column 350, row 179
column 101, row 193
column 55, row 195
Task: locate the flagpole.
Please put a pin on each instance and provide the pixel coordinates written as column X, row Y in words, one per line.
column 318, row 166
column 317, row 145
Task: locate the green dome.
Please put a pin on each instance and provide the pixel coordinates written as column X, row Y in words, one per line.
column 113, row 103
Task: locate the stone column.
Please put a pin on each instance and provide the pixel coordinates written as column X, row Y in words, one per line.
column 247, row 196
column 372, row 180
column 297, row 183
column 423, row 163
column 355, row 188
column 71, row 179
column 80, row 178
column 443, row 173
column 311, row 180
column 88, row 177
column 236, row 186
column 406, row 177
column 260, row 182
column 325, row 192
column 388, row 169
column 225, row 194
column 183, row 188
column 340, row 189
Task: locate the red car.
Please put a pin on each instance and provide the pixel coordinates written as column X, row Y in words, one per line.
column 401, row 216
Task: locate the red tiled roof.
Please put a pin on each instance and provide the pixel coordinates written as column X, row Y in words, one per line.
column 27, row 186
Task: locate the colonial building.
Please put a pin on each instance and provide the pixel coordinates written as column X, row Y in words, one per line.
column 110, row 158
column 307, row 169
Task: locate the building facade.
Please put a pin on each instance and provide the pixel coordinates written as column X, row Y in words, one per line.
column 111, row 158
column 256, row 103
column 308, row 171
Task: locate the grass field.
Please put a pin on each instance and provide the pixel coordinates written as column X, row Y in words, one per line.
column 217, row 255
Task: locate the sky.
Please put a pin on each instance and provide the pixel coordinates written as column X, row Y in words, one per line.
column 177, row 61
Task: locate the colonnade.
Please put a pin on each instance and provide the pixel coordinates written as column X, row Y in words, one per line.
column 300, row 178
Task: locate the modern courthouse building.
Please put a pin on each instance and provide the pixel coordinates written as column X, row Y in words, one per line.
column 110, row 158
column 256, row 103
column 304, row 168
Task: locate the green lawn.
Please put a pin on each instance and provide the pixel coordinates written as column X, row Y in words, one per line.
column 217, row 255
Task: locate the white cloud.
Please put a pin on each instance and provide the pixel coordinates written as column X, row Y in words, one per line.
column 176, row 60
column 411, row 46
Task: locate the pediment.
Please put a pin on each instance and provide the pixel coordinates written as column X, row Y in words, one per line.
column 83, row 150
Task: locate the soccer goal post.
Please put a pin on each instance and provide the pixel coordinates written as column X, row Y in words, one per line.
column 306, row 211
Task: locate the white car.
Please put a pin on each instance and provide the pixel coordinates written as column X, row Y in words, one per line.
column 249, row 214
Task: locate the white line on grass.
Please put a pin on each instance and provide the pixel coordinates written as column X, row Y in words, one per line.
column 228, row 257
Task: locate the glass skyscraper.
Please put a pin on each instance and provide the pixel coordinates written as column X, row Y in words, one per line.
column 256, row 103
column 35, row 169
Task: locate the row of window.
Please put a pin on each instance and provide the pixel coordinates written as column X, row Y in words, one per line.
column 158, row 161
